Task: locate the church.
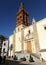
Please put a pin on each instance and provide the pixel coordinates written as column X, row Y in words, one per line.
column 28, row 38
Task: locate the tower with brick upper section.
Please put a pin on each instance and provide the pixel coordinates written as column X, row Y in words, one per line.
column 22, row 18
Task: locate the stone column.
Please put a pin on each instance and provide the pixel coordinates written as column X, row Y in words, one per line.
column 14, row 44
column 22, row 40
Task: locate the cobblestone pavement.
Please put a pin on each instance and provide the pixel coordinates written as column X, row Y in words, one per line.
column 9, row 62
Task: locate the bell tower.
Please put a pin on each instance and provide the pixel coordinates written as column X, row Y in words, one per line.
column 22, row 17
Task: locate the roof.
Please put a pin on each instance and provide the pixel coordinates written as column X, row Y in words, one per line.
column 43, row 50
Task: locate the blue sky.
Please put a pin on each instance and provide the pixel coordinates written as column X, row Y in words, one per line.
column 9, row 8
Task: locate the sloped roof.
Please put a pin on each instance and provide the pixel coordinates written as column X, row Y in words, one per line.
column 43, row 50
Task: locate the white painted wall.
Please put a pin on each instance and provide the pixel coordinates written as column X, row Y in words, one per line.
column 18, row 42
column 11, row 41
column 42, row 35
column 5, row 46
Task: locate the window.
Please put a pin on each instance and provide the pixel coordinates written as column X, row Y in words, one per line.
column 4, row 50
column 45, row 27
column 20, row 16
column 4, row 44
column 17, row 18
column 29, row 31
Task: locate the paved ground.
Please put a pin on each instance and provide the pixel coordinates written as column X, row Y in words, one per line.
column 9, row 62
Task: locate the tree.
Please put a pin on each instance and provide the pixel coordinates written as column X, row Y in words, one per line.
column 15, row 57
column 31, row 59
column 2, row 37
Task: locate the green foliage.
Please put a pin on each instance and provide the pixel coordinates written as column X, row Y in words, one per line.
column 2, row 38
column 31, row 59
column 15, row 57
column 23, row 59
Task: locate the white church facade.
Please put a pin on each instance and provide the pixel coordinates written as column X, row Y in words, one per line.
column 28, row 38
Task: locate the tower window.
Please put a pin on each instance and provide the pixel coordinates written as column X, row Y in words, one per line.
column 20, row 16
column 17, row 18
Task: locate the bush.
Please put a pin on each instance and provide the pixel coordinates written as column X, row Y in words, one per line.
column 23, row 59
column 15, row 57
column 31, row 59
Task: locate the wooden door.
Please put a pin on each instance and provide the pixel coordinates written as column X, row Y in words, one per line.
column 29, row 47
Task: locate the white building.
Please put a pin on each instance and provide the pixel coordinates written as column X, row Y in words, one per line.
column 41, row 30
column 5, row 48
column 28, row 38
